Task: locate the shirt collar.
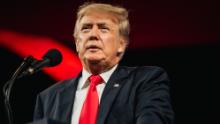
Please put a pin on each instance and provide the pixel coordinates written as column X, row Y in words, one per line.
column 85, row 75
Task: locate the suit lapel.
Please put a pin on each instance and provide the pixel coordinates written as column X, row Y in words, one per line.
column 66, row 98
column 110, row 92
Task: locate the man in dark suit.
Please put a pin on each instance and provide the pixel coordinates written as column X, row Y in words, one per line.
column 104, row 92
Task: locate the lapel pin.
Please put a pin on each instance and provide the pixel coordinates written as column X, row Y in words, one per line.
column 116, row 85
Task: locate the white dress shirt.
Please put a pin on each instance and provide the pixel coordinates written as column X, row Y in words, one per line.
column 82, row 90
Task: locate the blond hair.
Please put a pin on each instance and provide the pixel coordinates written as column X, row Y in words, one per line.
column 120, row 13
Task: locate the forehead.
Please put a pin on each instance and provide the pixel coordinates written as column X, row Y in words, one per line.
column 99, row 17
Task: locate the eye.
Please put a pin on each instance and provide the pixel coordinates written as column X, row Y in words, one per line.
column 85, row 28
column 104, row 29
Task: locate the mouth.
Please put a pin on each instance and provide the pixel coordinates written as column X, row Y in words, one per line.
column 93, row 48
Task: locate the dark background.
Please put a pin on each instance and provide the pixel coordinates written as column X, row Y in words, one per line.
column 181, row 36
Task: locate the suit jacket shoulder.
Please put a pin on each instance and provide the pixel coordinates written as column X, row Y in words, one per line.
column 146, row 72
column 58, row 87
column 56, row 101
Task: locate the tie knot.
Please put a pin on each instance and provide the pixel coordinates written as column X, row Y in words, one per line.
column 95, row 79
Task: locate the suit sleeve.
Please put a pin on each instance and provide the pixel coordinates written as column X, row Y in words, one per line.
column 38, row 111
column 153, row 100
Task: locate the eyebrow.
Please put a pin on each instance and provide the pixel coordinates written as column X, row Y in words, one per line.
column 86, row 24
column 99, row 24
column 102, row 24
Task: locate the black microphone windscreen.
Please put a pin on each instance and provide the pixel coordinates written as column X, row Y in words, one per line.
column 54, row 56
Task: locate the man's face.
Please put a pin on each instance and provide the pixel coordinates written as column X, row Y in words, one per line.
column 99, row 40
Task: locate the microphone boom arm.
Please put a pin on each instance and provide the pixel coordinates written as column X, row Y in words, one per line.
column 9, row 84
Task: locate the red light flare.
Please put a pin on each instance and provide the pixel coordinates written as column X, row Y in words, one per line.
column 25, row 45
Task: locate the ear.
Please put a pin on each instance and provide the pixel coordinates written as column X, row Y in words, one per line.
column 77, row 44
column 122, row 46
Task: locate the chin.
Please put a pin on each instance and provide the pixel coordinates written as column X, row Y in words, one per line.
column 93, row 59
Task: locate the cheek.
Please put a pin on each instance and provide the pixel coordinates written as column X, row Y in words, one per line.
column 111, row 46
column 80, row 43
column 82, row 37
column 114, row 41
column 79, row 46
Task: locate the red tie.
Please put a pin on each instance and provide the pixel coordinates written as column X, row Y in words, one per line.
column 90, row 107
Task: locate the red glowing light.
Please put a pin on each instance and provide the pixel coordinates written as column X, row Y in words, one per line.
column 24, row 45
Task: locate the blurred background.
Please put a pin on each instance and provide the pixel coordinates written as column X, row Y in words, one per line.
column 183, row 37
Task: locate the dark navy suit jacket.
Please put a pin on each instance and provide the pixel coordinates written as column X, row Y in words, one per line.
column 133, row 95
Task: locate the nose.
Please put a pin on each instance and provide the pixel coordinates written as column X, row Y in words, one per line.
column 94, row 34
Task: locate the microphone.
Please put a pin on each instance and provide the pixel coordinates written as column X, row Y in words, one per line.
column 29, row 66
column 52, row 58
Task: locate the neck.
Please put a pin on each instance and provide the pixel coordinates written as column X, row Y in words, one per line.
column 97, row 68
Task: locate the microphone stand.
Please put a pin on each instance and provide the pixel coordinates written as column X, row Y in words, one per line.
column 8, row 86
